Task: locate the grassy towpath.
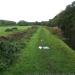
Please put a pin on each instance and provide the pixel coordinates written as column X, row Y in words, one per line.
column 59, row 58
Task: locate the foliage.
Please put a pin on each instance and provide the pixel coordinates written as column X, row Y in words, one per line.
column 42, row 23
column 22, row 23
column 11, row 29
column 8, row 53
column 8, row 30
column 66, row 21
column 56, row 31
column 14, row 28
column 7, row 23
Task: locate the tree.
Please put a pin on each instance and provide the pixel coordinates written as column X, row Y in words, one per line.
column 7, row 23
column 66, row 21
column 22, row 23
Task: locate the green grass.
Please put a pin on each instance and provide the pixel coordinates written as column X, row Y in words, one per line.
column 59, row 58
column 3, row 33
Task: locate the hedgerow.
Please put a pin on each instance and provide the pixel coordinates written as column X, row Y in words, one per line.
column 8, row 53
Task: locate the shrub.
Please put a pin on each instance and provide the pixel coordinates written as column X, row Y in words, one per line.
column 8, row 53
column 11, row 29
column 8, row 30
column 14, row 28
column 56, row 31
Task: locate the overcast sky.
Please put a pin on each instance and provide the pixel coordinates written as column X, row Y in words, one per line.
column 31, row 10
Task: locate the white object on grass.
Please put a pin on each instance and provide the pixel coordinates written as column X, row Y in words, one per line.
column 40, row 47
column 46, row 47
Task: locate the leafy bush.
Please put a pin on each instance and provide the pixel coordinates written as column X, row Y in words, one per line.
column 56, row 31
column 11, row 29
column 8, row 30
column 14, row 28
column 8, row 53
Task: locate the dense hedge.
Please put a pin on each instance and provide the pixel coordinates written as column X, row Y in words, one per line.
column 8, row 53
column 66, row 21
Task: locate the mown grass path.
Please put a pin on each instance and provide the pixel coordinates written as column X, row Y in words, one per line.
column 59, row 58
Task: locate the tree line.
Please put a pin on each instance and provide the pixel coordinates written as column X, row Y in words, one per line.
column 66, row 21
column 21, row 23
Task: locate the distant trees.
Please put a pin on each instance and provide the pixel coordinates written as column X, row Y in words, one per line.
column 66, row 21
column 42, row 23
column 12, row 23
column 7, row 23
column 23, row 23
